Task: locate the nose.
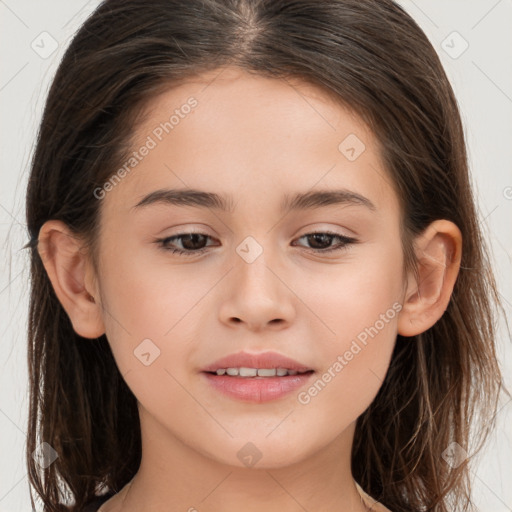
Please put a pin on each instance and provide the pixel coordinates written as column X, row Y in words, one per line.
column 257, row 295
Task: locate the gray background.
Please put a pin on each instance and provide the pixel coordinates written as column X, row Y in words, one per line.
column 33, row 36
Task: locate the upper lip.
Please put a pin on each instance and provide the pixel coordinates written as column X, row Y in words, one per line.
column 261, row 360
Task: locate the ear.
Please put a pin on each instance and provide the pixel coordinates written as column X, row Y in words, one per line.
column 438, row 252
column 70, row 272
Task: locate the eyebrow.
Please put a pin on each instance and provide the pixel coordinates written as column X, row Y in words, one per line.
column 299, row 201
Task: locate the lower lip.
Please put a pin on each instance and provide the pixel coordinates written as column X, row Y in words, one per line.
column 257, row 389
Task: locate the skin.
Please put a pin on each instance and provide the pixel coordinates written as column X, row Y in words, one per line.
column 256, row 139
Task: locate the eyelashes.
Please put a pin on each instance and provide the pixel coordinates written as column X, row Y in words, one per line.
column 193, row 239
column 164, row 243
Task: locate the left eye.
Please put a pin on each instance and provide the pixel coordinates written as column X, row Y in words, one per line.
column 189, row 242
column 193, row 243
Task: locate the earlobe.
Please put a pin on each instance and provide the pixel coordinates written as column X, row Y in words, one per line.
column 70, row 273
column 438, row 253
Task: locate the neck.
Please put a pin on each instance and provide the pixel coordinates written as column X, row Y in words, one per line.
column 320, row 482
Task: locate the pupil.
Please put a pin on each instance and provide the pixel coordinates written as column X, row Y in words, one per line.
column 321, row 236
column 192, row 237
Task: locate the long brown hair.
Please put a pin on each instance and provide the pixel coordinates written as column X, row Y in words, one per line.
column 374, row 59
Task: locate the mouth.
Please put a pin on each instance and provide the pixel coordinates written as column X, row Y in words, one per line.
column 257, row 378
column 257, row 373
column 246, row 364
column 257, row 389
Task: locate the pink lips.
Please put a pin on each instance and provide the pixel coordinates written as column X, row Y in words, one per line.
column 257, row 389
column 263, row 360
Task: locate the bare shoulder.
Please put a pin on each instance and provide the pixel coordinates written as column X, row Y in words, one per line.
column 100, row 503
column 372, row 504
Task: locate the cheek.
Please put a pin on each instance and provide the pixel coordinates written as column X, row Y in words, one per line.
column 358, row 305
column 149, row 319
column 354, row 361
column 352, row 295
column 147, row 298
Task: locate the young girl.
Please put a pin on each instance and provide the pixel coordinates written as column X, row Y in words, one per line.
column 258, row 278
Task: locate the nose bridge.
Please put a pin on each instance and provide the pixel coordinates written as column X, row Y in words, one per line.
column 257, row 296
column 253, row 275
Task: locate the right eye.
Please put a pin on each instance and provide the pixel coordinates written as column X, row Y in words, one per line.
column 326, row 237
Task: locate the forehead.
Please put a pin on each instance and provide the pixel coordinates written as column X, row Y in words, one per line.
column 236, row 131
column 262, row 104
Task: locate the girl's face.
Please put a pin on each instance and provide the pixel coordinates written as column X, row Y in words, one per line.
column 254, row 279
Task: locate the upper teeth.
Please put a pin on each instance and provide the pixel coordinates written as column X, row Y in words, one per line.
column 256, row 372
